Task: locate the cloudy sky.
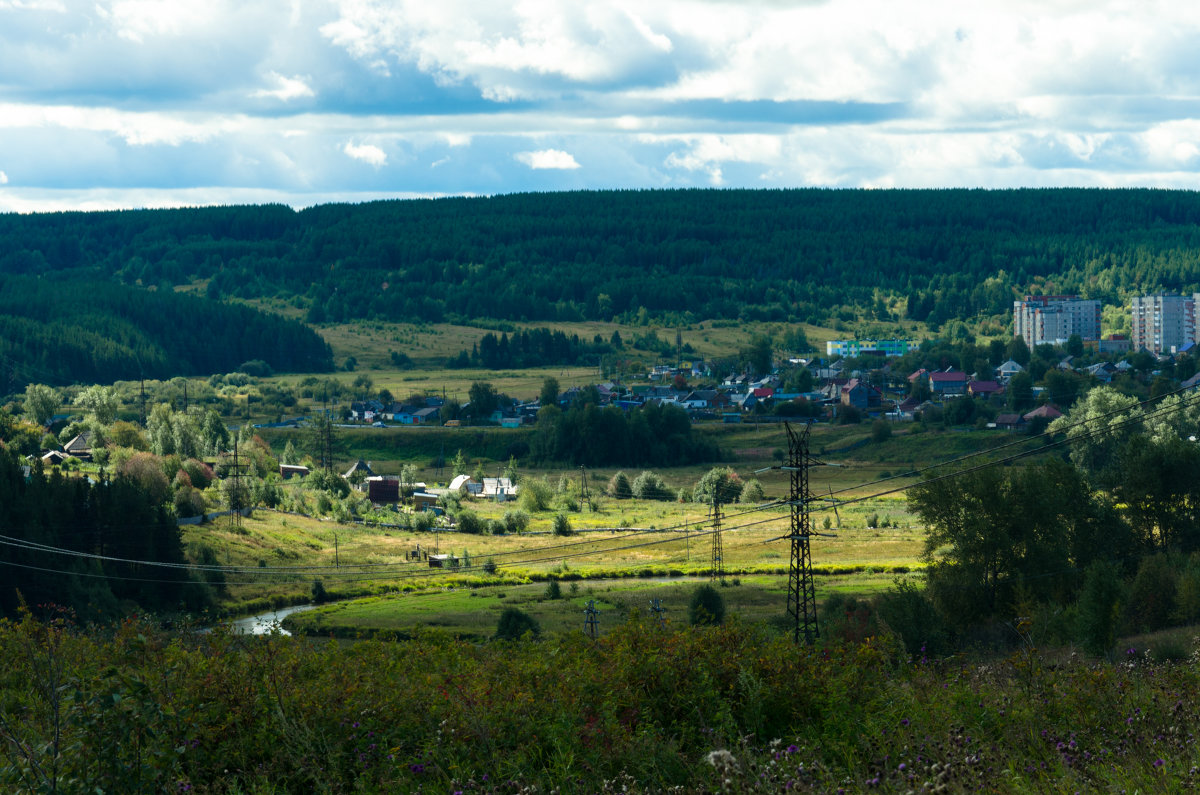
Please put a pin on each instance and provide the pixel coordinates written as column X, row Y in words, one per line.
column 140, row 103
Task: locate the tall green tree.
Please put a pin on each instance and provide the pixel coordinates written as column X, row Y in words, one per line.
column 41, row 402
column 102, row 401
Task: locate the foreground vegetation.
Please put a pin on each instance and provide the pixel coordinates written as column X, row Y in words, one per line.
column 729, row 708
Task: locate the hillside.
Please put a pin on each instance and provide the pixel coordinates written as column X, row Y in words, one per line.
column 798, row 255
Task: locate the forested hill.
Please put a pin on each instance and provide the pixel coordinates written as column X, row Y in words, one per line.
column 794, row 254
column 70, row 327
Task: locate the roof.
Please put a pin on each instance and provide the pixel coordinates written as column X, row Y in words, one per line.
column 1009, row 419
column 81, row 443
column 359, row 466
column 986, row 386
column 1047, row 411
column 948, row 378
column 459, row 482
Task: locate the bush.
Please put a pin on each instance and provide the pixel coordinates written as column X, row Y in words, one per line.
column 912, row 616
column 849, row 415
column 881, row 430
column 319, row 594
column 562, row 525
column 553, row 590
column 515, row 623
column 515, row 521
column 469, row 522
column 1099, row 602
column 536, row 495
column 752, row 492
column 649, row 486
column 721, row 483
column 706, row 607
column 619, row 488
column 1152, row 595
column 489, row 566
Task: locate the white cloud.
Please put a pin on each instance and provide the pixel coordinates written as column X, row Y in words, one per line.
column 547, row 158
column 138, row 20
column 368, row 153
column 3, row 178
column 286, row 88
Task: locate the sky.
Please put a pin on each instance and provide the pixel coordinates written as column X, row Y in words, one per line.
column 152, row 103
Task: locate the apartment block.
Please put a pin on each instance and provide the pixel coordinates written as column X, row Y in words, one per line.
column 1164, row 323
column 1054, row 318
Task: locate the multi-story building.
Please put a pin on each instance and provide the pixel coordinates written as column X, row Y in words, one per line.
column 1164, row 323
column 1054, row 318
column 851, row 349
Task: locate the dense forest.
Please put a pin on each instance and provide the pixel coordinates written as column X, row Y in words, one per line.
column 800, row 255
column 77, row 329
column 102, row 530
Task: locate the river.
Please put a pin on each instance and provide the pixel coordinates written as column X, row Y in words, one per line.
column 264, row 623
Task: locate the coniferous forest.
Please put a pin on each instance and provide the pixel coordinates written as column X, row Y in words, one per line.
column 800, row 255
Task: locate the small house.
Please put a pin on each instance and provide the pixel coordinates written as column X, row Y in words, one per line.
column 946, row 385
column 424, row 501
column 984, row 389
column 288, row 471
column 1009, row 422
column 80, row 446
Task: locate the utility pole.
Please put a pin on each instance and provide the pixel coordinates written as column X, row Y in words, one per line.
column 235, row 493
column 583, row 490
column 802, row 599
column 660, row 613
column 591, row 620
column 717, row 571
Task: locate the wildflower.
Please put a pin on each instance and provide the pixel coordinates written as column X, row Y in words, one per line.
column 791, row 749
column 721, row 758
column 904, row 721
column 1159, row 763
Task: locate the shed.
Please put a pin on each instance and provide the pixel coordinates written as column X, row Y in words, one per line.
column 424, row 500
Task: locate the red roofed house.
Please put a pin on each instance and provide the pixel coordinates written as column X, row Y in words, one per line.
column 984, row 389
column 1047, row 411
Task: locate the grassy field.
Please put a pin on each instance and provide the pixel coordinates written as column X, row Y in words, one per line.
column 429, row 345
column 473, row 613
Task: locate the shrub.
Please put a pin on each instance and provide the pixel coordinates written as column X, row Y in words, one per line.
column 515, row 521
column 562, row 525
column 319, row 594
column 489, row 566
column 911, row 615
column 515, row 623
column 1098, row 606
column 848, row 415
column 536, row 495
column 469, row 522
column 706, row 607
column 619, row 488
column 721, row 483
column 1152, row 595
column 881, row 430
column 752, row 492
column 553, row 590
column 649, row 486
column 423, row 521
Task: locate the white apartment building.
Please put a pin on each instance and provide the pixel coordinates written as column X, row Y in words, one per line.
column 1054, row 318
column 1164, row 323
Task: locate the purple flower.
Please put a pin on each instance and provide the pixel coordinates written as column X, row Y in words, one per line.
column 1159, row 763
column 902, row 766
column 791, row 749
column 904, row 721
